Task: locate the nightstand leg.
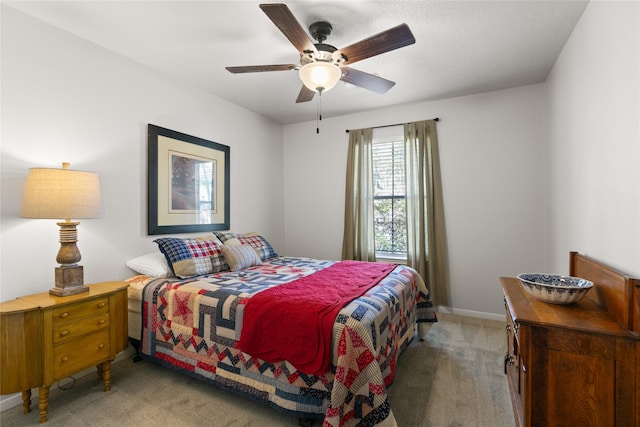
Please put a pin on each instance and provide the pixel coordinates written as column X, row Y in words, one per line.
column 26, row 401
column 43, row 405
column 100, row 370
column 105, row 371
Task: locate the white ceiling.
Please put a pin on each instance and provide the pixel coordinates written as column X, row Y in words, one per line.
column 462, row 47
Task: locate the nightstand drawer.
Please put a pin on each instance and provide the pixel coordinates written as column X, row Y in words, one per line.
column 73, row 356
column 70, row 331
column 70, row 312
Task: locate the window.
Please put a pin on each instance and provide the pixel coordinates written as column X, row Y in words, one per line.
column 192, row 186
column 204, row 189
column 389, row 202
column 393, row 206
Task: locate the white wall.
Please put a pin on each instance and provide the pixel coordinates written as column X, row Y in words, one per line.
column 65, row 99
column 492, row 159
column 594, row 140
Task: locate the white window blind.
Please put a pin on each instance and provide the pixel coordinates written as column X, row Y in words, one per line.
column 389, row 202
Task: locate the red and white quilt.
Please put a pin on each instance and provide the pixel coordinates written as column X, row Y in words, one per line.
column 195, row 325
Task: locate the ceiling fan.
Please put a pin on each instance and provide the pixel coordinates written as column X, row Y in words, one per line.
column 322, row 65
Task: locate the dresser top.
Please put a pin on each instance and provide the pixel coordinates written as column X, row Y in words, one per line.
column 45, row 299
column 585, row 315
column 17, row 306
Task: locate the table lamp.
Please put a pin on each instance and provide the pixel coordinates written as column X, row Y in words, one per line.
column 63, row 194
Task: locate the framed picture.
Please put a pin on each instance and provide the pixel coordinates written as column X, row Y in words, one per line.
column 188, row 183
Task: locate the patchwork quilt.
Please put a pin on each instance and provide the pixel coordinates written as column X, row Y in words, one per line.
column 194, row 325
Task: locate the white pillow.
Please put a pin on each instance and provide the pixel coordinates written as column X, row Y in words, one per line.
column 153, row 264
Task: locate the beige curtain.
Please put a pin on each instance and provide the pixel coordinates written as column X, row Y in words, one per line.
column 426, row 237
column 358, row 242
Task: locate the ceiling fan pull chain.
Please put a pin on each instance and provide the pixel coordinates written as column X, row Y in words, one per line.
column 318, row 111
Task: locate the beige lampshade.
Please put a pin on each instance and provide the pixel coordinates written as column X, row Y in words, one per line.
column 320, row 76
column 61, row 194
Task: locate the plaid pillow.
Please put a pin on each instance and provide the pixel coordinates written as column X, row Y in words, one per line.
column 192, row 257
column 259, row 243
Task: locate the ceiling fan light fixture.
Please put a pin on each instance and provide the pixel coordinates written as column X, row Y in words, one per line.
column 320, row 76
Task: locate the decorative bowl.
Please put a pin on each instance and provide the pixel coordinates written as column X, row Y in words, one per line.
column 554, row 288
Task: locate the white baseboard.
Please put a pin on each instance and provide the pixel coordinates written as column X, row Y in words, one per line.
column 10, row 400
column 471, row 313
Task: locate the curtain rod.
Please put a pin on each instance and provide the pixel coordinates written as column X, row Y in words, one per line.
column 437, row 119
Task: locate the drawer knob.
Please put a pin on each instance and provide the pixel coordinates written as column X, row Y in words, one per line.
column 508, row 361
column 101, row 305
column 101, row 321
column 63, row 315
column 64, row 333
column 100, row 346
column 64, row 359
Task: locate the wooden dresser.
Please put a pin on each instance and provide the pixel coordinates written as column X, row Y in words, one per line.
column 577, row 364
column 46, row 338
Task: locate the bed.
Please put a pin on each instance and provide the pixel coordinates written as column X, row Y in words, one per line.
column 198, row 324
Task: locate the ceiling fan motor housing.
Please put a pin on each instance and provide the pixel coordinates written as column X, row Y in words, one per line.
column 325, row 54
column 320, row 30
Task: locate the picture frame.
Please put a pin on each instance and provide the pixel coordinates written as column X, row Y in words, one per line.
column 187, row 183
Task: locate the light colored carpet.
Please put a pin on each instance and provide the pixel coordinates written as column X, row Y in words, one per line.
column 454, row 378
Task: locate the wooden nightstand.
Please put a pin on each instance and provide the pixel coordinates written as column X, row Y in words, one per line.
column 46, row 338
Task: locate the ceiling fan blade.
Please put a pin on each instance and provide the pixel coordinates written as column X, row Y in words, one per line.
column 368, row 81
column 385, row 41
column 290, row 27
column 305, row 94
column 261, row 68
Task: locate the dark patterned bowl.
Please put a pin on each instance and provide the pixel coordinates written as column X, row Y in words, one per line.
column 554, row 288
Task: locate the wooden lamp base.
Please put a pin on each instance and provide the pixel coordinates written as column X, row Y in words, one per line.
column 69, row 281
column 70, row 275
